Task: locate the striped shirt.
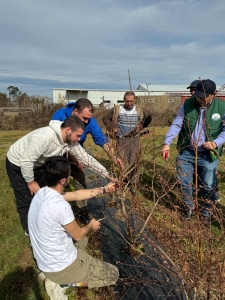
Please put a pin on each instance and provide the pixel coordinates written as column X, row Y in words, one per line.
column 127, row 120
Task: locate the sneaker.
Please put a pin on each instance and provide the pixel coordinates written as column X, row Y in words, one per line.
column 83, row 217
column 26, row 233
column 41, row 276
column 187, row 214
column 55, row 291
column 217, row 197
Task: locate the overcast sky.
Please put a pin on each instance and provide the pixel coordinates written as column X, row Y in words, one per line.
column 92, row 44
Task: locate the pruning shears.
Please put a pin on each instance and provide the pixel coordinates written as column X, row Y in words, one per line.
column 100, row 220
column 166, row 155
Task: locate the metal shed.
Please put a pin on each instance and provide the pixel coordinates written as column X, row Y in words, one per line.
column 97, row 97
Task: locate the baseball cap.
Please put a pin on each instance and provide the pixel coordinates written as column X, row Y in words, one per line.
column 204, row 88
column 193, row 84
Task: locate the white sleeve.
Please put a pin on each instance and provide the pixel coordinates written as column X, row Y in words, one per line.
column 34, row 150
column 65, row 213
column 78, row 151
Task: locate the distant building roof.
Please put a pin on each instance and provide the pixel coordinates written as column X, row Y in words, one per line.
column 87, row 90
column 162, row 88
column 166, row 88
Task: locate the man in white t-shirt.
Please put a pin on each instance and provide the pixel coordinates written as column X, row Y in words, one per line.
column 52, row 228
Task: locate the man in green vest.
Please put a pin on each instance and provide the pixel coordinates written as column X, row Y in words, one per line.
column 192, row 88
column 200, row 125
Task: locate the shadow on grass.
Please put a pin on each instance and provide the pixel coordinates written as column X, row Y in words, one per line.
column 20, row 284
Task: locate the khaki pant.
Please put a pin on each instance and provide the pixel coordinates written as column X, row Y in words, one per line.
column 128, row 149
column 97, row 273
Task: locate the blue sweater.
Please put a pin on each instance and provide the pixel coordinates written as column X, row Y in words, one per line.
column 91, row 127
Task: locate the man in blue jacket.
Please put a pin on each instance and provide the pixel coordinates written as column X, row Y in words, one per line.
column 83, row 108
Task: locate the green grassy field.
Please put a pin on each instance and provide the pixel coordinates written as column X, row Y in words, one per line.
column 18, row 271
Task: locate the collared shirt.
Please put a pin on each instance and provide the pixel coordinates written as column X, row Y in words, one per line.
column 199, row 133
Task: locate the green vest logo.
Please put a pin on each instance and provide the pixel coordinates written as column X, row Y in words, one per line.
column 215, row 117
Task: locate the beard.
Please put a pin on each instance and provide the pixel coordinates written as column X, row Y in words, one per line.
column 68, row 139
column 67, row 183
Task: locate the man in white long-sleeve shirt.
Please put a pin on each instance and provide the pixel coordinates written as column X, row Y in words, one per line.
column 25, row 157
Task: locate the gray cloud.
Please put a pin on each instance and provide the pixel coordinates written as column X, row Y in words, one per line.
column 49, row 42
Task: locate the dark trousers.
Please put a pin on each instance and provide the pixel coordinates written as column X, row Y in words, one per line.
column 21, row 190
column 78, row 176
column 79, row 183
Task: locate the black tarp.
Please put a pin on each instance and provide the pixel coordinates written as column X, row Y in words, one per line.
column 151, row 275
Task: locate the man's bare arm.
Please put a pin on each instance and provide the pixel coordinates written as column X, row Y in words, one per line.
column 78, row 232
column 110, row 152
column 89, row 193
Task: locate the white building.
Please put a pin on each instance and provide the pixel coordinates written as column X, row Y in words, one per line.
column 175, row 90
column 160, row 89
column 110, row 97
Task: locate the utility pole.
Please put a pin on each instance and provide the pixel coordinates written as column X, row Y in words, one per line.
column 129, row 79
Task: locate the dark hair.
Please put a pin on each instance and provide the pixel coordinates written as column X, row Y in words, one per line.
column 74, row 123
column 56, row 168
column 83, row 103
column 129, row 93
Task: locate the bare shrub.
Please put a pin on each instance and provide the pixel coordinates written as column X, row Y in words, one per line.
column 196, row 252
column 28, row 119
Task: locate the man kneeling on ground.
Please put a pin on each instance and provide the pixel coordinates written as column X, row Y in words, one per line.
column 52, row 228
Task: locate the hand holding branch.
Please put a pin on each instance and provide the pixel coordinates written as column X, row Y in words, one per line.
column 111, row 187
column 210, row 145
column 94, row 224
column 119, row 163
column 110, row 152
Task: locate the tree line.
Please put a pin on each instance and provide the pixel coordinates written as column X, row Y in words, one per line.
column 16, row 98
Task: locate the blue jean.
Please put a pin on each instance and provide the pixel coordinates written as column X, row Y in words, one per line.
column 207, row 179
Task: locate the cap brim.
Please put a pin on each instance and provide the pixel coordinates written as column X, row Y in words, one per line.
column 191, row 86
column 201, row 94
